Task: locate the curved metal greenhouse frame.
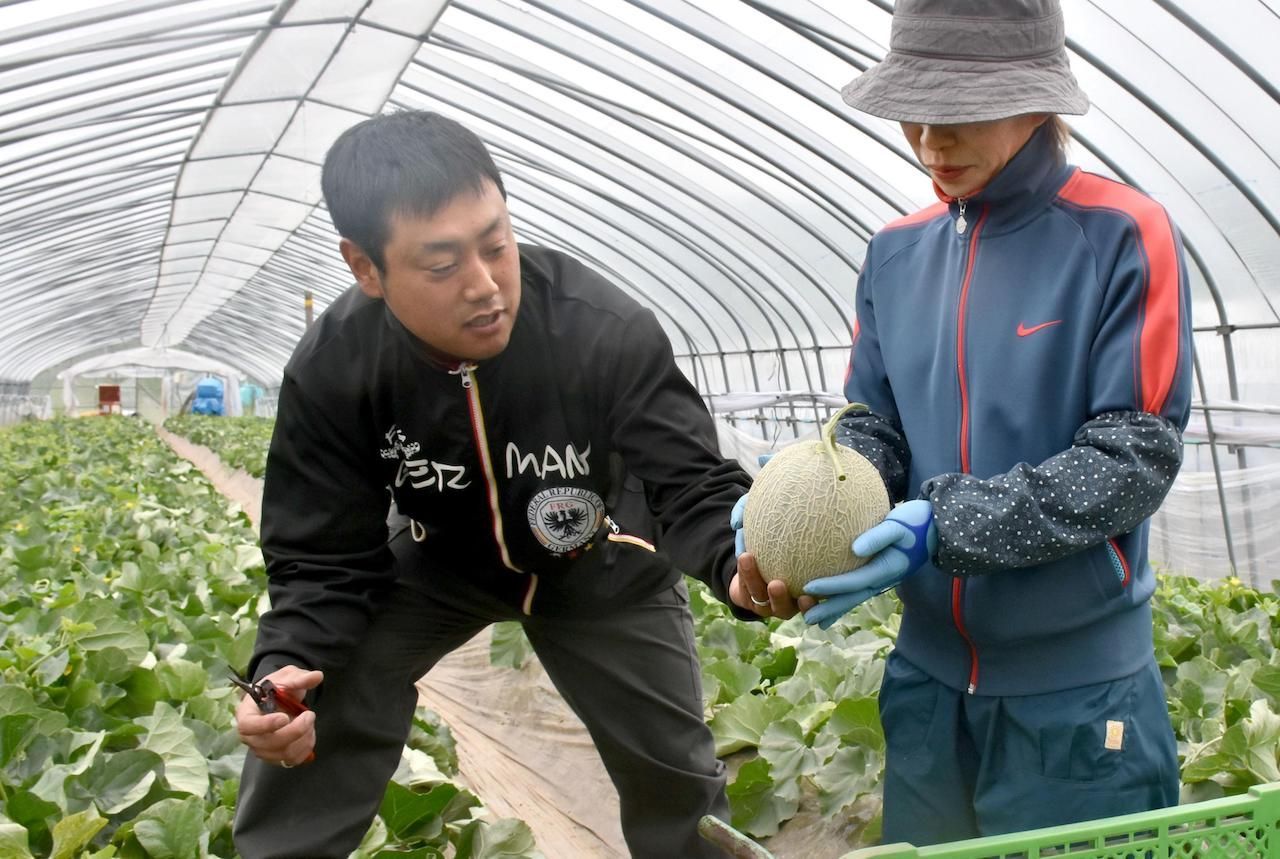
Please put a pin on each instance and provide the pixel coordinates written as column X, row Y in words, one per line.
column 159, row 184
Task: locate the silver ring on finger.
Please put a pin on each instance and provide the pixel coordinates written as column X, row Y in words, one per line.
column 286, row 765
column 761, row 603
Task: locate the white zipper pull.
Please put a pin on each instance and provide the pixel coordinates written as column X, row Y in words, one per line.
column 463, row 372
column 961, row 223
column 613, row 526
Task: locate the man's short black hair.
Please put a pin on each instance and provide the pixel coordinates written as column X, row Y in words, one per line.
column 411, row 162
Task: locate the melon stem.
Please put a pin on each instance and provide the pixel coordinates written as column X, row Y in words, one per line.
column 829, row 435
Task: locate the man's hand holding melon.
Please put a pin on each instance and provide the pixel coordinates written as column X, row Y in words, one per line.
column 818, row 512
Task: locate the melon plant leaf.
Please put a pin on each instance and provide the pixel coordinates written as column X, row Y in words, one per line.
column 799, row 689
column 812, row 715
column 405, row 811
column 15, row 700
column 508, row 645
column 852, row 772
column 1204, row 763
column 171, row 828
column 32, row 558
column 52, row 666
column 819, row 668
column 418, row 770
column 25, row 808
column 72, row 833
column 1201, row 686
column 866, row 671
column 1240, row 687
column 1253, row 742
column 1267, row 679
column 736, row 678
column 783, row 746
column 429, row 734
column 725, row 637
column 109, row 665
column 182, row 679
column 13, row 840
column 857, row 721
column 375, row 838
column 462, row 807
column 248, row 557
column 99, row 625
column 740, row 724
column 502, row 839
column 16, row 733
column 185, row 767
column 758, row 807
column 775, row 664
column 710, row 690
column 116, row 781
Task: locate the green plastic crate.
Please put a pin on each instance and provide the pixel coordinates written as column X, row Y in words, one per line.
column 1230, row 828
column 1236, row 826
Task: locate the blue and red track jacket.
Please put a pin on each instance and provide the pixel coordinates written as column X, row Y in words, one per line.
column 1031, row 374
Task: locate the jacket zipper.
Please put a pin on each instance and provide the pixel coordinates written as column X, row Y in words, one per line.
column 1118, row 562
column 616, row 536
column 464, row 372
column 962, row 309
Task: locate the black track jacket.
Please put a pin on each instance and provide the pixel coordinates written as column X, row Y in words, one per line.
column 515, row 471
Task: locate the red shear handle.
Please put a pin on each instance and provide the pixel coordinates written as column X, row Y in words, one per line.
column 270, row 698
column 275, row 699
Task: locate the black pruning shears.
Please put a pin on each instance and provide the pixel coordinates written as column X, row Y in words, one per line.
column 270, row 698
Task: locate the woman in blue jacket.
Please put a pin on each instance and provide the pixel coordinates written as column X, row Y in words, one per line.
column 1024, row 346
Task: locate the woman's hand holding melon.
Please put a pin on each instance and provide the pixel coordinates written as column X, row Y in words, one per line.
column 896, row 547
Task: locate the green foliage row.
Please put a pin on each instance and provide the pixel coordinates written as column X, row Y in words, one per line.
column 800, row 702
column 803, row 701
column 239, row 442
column 127, row 588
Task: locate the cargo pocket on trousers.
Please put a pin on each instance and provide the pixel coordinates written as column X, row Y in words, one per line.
column 1083, row 736
column 908, row 705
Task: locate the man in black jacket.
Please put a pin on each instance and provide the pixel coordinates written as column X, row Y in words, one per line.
column 532, row 426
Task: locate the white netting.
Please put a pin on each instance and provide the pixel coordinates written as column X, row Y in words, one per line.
column 1188, row 534
column 20, row 407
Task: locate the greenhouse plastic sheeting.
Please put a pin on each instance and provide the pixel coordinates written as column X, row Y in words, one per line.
column 159, row 167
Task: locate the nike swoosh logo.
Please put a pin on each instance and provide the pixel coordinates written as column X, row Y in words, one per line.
column 1024, row 331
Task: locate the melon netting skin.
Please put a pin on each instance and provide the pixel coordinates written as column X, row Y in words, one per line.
column 801, row 519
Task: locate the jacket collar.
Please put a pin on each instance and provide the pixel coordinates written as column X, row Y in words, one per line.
column 1019, row 192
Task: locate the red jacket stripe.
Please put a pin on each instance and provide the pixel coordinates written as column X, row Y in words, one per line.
column 1158, row 337
column 853, row 344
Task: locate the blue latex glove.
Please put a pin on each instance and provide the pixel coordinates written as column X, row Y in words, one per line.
column 739, row 509
column 897, row 547
column 735, row 522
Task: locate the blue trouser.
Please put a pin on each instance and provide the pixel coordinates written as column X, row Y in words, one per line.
column 959, row 766
column 631, row 674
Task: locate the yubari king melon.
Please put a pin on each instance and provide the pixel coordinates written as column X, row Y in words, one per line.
column 806, row 507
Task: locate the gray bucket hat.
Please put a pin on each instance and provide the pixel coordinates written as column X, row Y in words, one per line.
column 953, row 61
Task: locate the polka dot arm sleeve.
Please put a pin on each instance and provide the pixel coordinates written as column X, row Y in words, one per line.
column 1114, row 476
column 881, row 441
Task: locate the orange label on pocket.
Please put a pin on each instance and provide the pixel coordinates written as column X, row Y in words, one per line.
column 1115, row 735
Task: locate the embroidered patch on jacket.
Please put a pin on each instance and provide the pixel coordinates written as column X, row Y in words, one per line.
column 1115, row 735
column 565, row 518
